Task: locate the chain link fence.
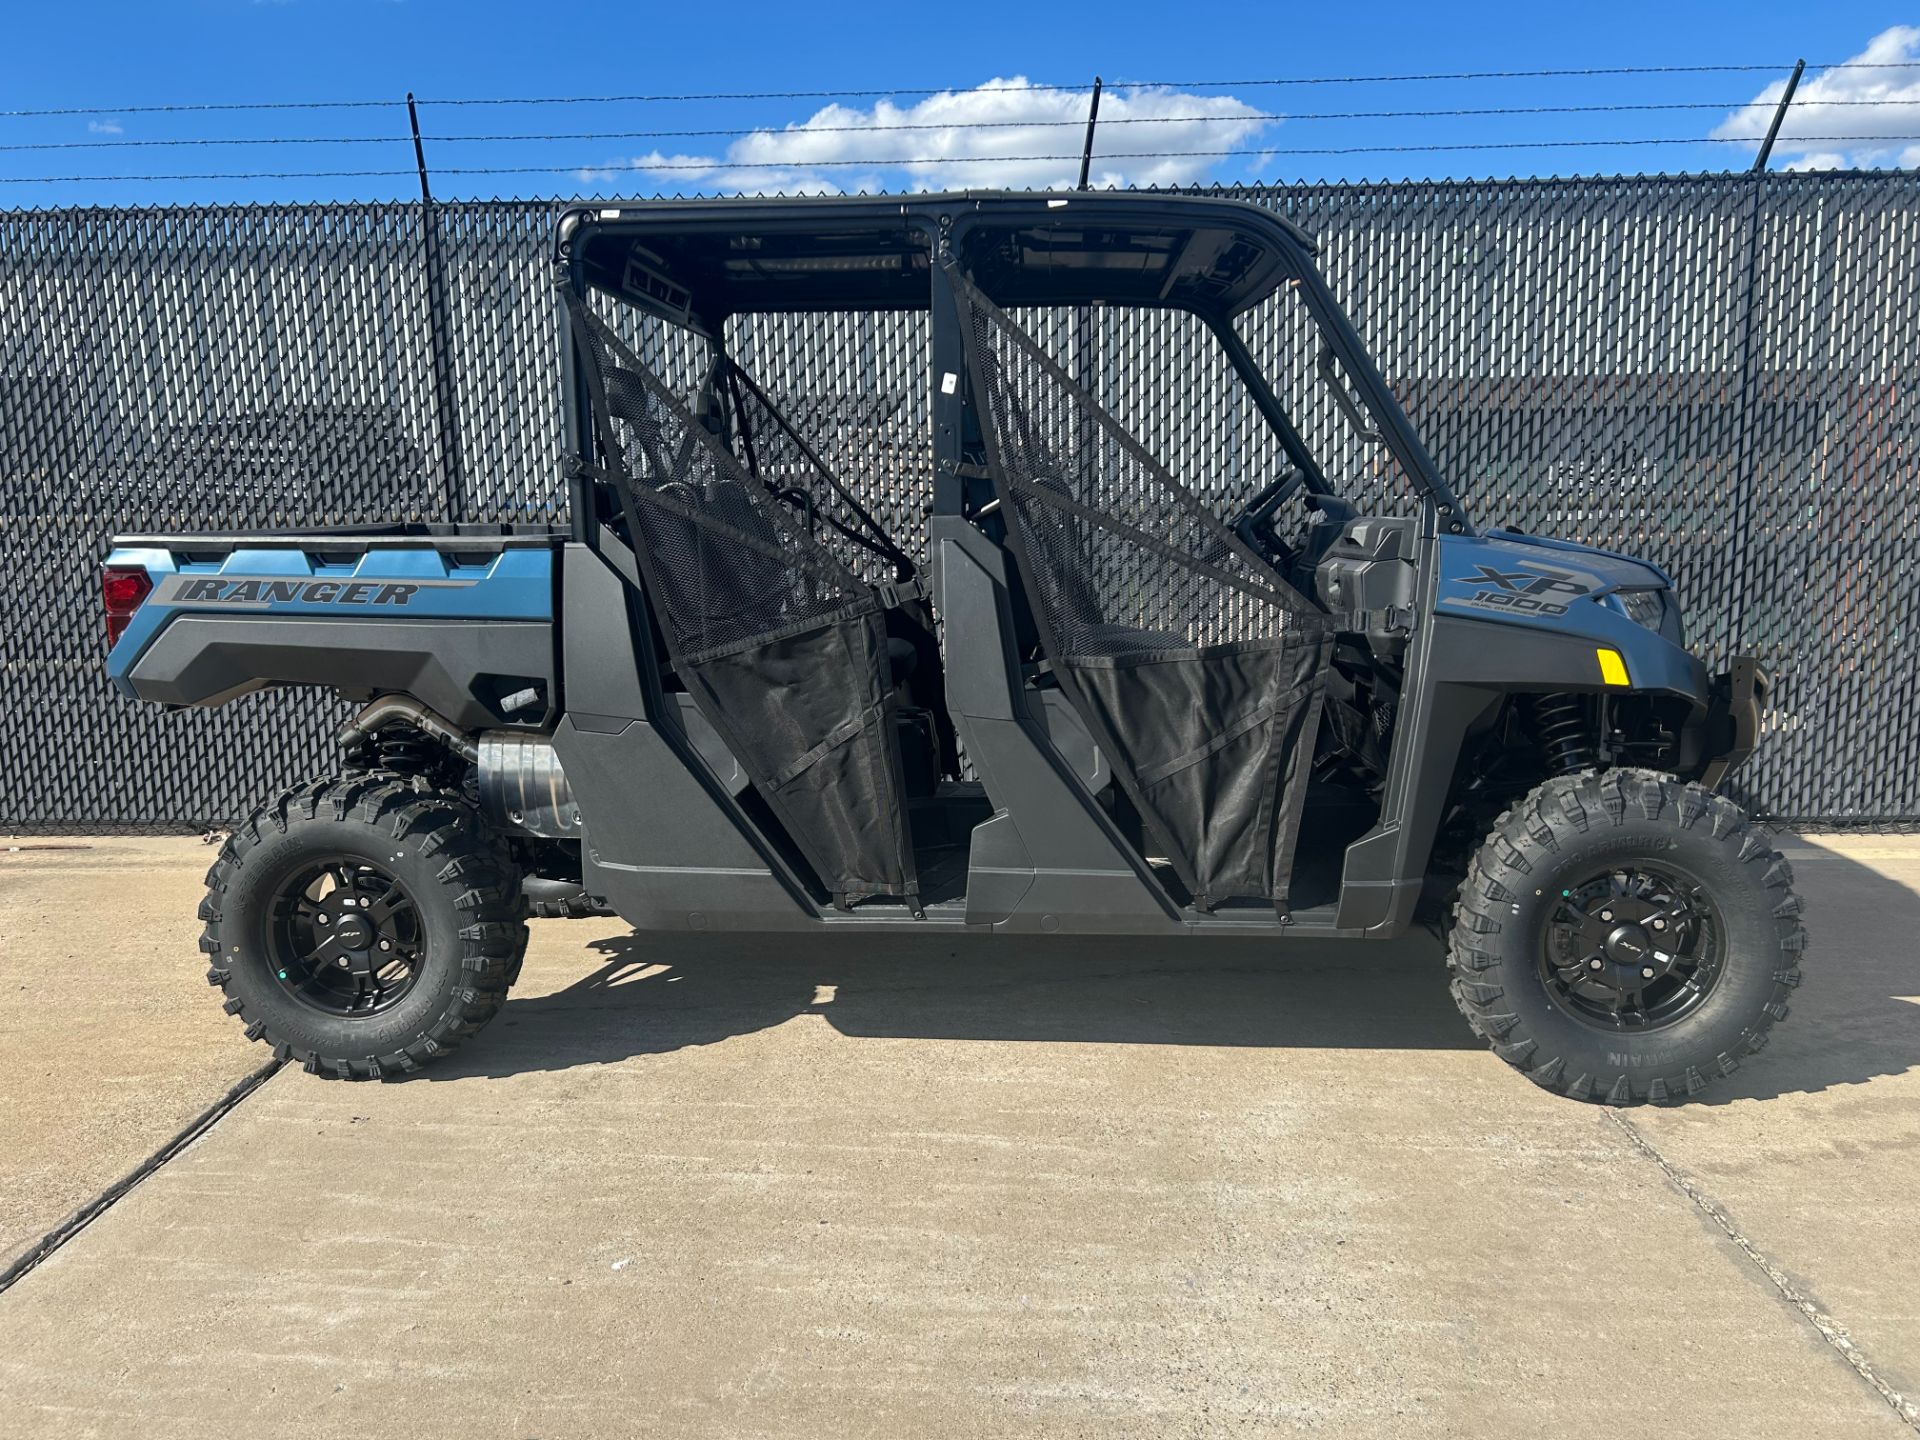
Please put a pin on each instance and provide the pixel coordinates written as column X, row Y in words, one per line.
column 1721, row 373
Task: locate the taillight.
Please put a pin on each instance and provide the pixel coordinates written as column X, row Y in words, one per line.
column 122, row 588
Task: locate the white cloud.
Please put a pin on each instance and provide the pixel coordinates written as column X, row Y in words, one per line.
column 984, row 137
column 104, row 127
column 1817, row 160
column 1828, row 106
column 675, row 173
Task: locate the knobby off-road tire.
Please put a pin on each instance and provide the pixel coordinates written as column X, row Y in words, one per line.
column 1505, row 944
column 462, row 920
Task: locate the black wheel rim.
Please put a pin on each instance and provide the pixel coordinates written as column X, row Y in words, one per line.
column 345, row 937
column 1632, row 948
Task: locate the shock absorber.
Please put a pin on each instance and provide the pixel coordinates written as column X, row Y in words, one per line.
column 1566, row 733
column 402, row 748
column 397, row 747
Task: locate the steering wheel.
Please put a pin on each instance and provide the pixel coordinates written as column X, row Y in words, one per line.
column 1254, row 523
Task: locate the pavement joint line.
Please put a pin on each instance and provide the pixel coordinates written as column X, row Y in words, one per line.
column 112, row 1195
column 1831, row 1330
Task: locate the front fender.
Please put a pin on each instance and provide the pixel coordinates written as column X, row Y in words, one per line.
column 1495, row 656
column 1466, row 669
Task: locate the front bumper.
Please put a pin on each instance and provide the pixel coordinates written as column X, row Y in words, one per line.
column 1726, row 732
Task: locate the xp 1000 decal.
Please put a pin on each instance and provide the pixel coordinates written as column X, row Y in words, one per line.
column 1539, row 591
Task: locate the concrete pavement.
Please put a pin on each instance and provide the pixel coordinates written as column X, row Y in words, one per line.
column 740, row 1187
column 107, row 1041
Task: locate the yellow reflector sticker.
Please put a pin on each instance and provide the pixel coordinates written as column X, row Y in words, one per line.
column 1613, row 669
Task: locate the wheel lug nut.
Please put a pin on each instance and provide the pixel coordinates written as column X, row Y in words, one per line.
column 1646, row 972
column 1606, row 915
column 326, row 919
column 1595, row 963
column 341, row 962
column 1659, row 924
column 386, row 944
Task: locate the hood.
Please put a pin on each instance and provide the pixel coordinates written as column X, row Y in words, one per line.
column 1530, row 580
column 1590, row 552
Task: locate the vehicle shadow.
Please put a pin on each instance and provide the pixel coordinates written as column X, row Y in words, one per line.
column 1857, row 1015
column 657, row 993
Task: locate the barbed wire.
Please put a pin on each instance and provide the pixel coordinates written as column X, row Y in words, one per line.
column 1592, row 70
column 1075, row 123
column 789, row 166
column 887, row 91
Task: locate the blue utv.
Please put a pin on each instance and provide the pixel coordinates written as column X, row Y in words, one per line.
column 1039, row 647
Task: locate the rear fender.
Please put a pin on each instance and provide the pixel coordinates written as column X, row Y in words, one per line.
column 463, row 638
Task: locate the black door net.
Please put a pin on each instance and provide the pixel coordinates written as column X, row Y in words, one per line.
column 782, row 647
column 1196, row 668
column 775, row 452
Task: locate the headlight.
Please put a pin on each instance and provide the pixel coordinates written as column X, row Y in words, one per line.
column 1654, row 609
column 1643, row 607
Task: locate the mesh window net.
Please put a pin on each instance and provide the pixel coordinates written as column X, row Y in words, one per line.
column 1194, row 665
column 784, row 458
column 782, row 646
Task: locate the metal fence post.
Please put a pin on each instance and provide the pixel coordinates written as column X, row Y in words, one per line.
column 1773, row 130
column 439, row 341
column 1093, row 119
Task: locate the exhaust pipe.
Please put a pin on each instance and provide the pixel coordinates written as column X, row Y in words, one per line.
column 520, row 781
column 390, row 708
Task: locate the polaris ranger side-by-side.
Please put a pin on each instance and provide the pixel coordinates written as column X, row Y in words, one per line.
column 1062, row 695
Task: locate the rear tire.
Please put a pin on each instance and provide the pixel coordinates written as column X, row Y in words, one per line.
column 432, row 906
column 1545, row 929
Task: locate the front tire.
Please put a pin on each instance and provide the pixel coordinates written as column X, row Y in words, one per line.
column 1625, row 937
column 365, row 925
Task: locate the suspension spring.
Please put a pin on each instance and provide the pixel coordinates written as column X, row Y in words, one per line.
column 1566, row 733
column 400, row 748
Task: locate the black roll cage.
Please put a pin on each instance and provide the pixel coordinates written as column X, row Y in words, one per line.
column 710, row 236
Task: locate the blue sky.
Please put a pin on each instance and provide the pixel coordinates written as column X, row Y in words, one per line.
column 122, row 55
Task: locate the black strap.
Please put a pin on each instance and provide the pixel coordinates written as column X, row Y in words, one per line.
column 897, row 594
column 877, row 539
